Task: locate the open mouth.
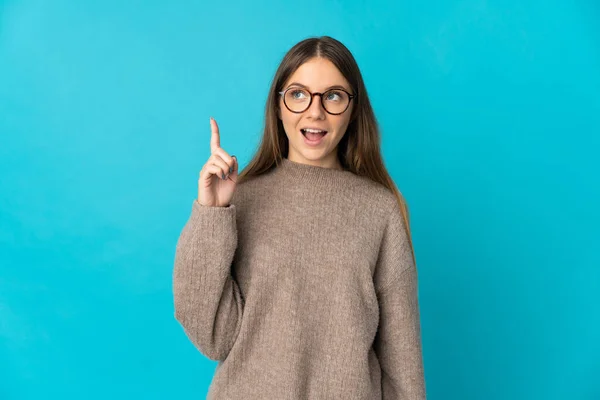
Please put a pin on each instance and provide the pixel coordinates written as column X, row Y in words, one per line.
column 313, row 134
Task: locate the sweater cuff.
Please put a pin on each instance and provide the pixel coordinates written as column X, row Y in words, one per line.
column 216, row 226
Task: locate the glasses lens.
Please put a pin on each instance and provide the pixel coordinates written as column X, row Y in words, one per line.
column 297, row 99
column 335, row 101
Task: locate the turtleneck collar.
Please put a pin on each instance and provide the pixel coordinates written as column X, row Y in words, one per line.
column 311, row 174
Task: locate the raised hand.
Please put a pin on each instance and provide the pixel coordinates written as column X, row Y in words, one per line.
column 218, row 176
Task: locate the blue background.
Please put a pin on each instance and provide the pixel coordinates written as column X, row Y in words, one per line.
column 490, row 116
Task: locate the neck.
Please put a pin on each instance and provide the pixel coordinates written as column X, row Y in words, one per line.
column 313, row 175
column 331, row 162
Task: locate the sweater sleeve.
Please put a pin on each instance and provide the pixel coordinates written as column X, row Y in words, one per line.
column 208, row 302
column 398, row 340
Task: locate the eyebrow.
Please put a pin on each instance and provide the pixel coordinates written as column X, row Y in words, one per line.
column 330, row 87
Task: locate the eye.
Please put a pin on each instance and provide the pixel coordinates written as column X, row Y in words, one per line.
column 333, row 96
column 297, row 94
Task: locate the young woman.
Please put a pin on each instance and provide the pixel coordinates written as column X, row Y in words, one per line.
column 298, row 275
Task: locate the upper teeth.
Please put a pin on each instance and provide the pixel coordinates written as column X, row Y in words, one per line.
column 313, row 130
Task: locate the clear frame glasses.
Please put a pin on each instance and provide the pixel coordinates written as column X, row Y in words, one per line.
column 334, row 101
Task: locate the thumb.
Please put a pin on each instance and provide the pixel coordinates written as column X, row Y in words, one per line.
column 235, row 165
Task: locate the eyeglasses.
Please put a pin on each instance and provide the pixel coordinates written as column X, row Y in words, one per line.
column 334, row 101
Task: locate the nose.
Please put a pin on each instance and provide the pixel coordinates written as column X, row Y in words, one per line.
column 316, row 108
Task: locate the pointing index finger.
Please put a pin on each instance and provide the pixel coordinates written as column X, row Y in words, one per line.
column 215, row 140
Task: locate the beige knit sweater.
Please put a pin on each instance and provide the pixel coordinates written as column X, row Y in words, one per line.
column 304, row 287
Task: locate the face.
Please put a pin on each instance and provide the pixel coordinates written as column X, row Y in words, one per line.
column 315, row 75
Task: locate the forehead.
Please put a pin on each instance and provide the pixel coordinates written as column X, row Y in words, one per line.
column 318, row 74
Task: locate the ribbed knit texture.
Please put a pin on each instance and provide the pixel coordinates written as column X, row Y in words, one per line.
column 304, row 287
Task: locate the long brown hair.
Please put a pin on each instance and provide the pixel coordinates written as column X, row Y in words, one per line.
column 358, row 150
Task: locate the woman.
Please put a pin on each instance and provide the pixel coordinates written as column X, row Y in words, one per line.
column 298, row 275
